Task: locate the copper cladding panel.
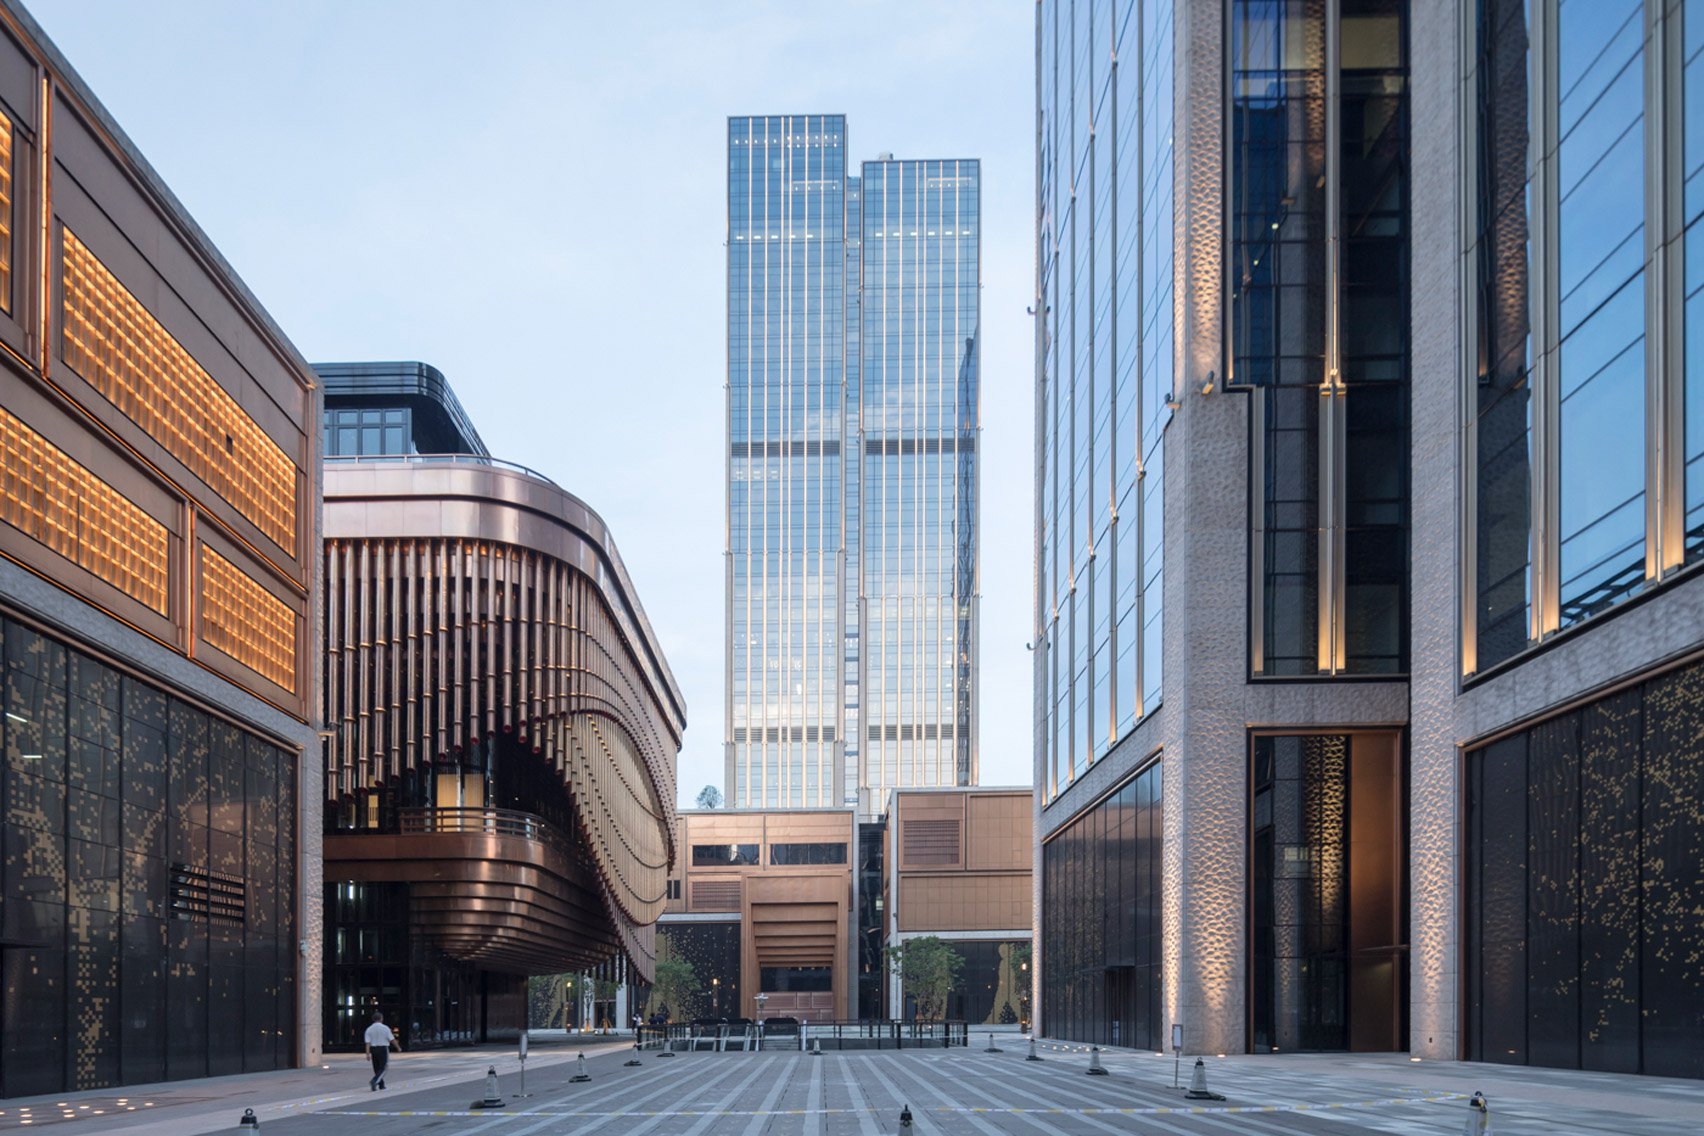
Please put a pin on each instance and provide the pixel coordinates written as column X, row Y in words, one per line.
column 505, row 903
column 464, row 601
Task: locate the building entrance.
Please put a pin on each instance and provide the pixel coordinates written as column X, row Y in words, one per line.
column 1329, row 962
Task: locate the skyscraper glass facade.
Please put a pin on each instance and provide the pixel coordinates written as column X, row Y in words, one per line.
column 786, row 411
column 1105, row 254
column 1586, row 436
column 853, row 305
column 918, row 424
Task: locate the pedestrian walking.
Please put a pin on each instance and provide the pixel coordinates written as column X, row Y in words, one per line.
column 379, row 1042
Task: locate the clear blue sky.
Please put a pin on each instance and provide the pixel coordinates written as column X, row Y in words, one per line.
column 530, row 196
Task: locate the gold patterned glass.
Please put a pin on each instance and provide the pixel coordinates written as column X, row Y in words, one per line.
column 52, row 499
column 246, row 621
column 125, row 353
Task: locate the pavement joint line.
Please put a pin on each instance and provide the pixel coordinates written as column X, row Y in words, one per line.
column 1187, row 1110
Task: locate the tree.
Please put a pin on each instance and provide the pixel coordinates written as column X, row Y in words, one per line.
column 675, row 986
column 709, row 797
column 927, row 969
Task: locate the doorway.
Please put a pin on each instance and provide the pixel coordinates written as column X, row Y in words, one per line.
column 1327, row 912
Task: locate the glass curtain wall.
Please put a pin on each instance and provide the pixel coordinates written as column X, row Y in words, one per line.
column 1104, row 339
column 1586, row 243
column 1101, row 964
column 918, row 311
column 1582, row 870
column 1319, row 296
column 149, row 882
column 786, row 345
column 1690, row 16
column 1502, row 403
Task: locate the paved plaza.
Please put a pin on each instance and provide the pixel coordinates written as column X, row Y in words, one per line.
column 862, row 1093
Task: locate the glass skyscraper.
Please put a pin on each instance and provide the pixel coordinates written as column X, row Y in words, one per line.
column 853, row 307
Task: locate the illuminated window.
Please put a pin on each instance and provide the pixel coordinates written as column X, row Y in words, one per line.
column 5, row 214
column 246, row 621
column 112, row 341
column 50, row 498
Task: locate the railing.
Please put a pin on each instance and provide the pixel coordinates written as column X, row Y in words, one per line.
column 480, row 822
column 744, row 1035
column 442, row 459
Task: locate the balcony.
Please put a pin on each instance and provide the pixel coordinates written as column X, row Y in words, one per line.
column 500, row 888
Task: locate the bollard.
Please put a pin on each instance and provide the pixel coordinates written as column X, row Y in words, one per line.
column 992, row 1048
column 248, row 1123
column 816, row 1047
column 1198, row 1089
column 904, row 1119
column 491, row 1098
column 1032, row 1056
column 580, row 1074
column 1096, row 1069
column 634, row 1060
column 1478, row 1117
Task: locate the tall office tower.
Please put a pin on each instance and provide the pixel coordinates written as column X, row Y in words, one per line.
column 1398, row 296
column 853, row 305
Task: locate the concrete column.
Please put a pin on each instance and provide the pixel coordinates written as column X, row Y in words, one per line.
column 1437, row 372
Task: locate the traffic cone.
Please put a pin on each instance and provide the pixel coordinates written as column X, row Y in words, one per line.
column 816, row 1047
column 992, row 1048
column 1096, row 1069
column 491, row 1099
column 1032, row 1056
column 580, row 1074
column 634, row 1060
column 248, row 1123
column 904, row 1119
column 1479, row 1116
column 1198, row 1084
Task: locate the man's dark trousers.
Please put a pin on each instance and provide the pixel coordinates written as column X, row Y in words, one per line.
column 381, row 1058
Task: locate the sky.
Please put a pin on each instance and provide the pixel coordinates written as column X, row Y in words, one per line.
column 532, row 198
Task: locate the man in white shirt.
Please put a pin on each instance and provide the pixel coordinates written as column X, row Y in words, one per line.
column 379, row 1042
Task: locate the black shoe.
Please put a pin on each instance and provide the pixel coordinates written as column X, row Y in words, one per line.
column 372, row 1088
column 381, row 1084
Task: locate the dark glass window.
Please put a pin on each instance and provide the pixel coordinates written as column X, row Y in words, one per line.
column 718, row 855
column 1283, row 287
column 368, row 431
column 1503, row 427
column 788, row 855
column 1102, row 970
column 796, row 979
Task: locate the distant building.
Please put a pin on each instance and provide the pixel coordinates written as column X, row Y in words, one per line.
column 1369, row 628
column 159, row 490
column 958, row 866
column 501, row 776
column 853, row 392
column 798, row 905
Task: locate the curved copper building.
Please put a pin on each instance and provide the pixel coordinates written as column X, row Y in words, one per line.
column 500, row 775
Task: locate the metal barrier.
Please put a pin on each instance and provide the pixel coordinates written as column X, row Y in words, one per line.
column 785, row 1033
column 480, row 822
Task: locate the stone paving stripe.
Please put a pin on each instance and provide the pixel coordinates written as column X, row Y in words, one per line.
column 866, row 1119
column 1180, row 1110
column 1031, row 1075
